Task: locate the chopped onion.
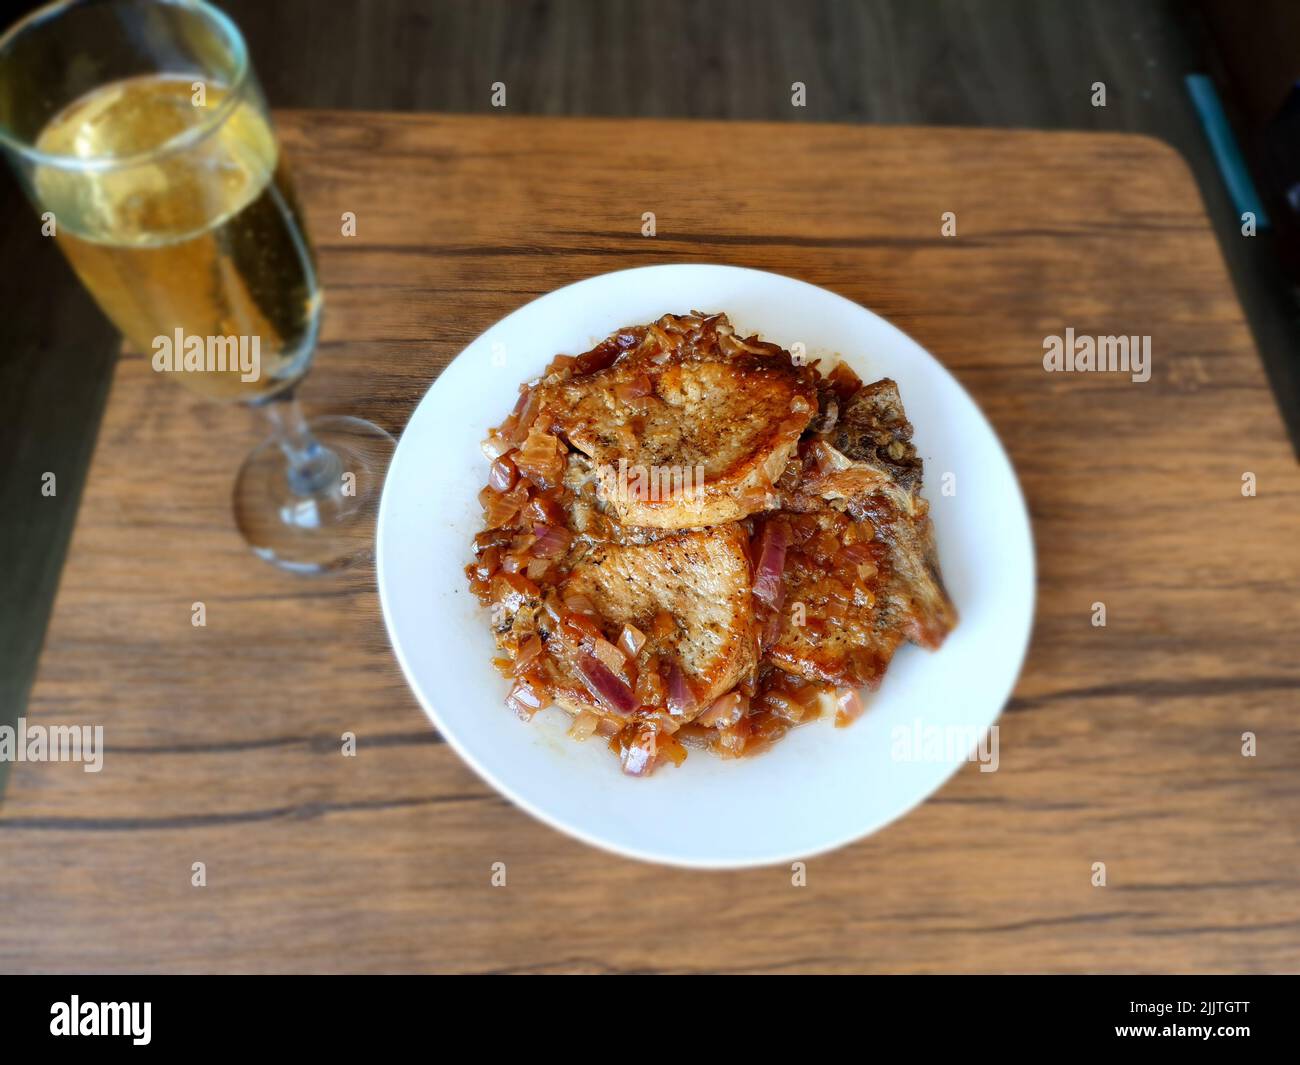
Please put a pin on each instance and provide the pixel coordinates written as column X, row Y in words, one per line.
column 669, row 748
column 584, row 724
column 843, row 380
column 487, row 563
column 681, row 699
column 605, row 685
column 544, row 510
column 501, row 478
column 828, row 459
column 492, row 538
column 631, row 640
column 609, row 655
column 731, row 741
column 578, row 603
column 848, row 706
column 637, row 755
column 666, row 724
column 650, row 685
column 725, row 711
column 522, row 417
column 768, row 586
column 528, row 650
column 551, row 542
column 541, row 459
column 580, row 629
column 513, row 590
column 854, row 555
column 524, row 699
column 495, row 445
column 498, row 510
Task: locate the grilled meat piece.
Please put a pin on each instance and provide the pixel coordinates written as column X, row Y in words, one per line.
column 688, row 425
column 874, row 430
column 701, row 580
column 862, row 486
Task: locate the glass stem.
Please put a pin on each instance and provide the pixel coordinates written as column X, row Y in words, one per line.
column 313, row 468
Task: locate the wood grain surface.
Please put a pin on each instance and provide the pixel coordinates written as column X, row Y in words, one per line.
column 1122, row 745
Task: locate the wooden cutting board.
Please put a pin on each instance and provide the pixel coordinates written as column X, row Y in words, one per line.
column 1123, row 744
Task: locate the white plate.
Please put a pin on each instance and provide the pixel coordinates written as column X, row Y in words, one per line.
column 820, row 787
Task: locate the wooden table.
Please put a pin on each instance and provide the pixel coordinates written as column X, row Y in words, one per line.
column 1122, row 745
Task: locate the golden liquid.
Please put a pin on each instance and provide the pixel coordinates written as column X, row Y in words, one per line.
column 206, row 237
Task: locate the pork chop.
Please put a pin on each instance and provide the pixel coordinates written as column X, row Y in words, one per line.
column 862, row 559
column 687, row 424
column 689, row 593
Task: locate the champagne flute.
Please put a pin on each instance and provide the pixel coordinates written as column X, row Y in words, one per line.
column 140, row 134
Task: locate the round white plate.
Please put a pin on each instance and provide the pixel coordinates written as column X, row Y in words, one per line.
column 820, row 787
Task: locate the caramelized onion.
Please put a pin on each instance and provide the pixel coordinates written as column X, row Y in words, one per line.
column 855, row 555
column 631, row 640
column 605, row 685
column 541, row 459
column 487, row 563
column 578, row 603
column 848, row 706
column 502, row 476
column 551, row 541
column 637, row 750
column 498, row 510
column 650, row 685
column 517, row 426
column 544, row 510
column 670, row 749
column 843, row 380
column 768, row 586
column 506, row 586
column 725, row 711
column 681, row 698
column 580, row 629
column 494, row 445
column 610, row 655
column 528, row 651
column 526, row 698
column 731, row 740
column 584, row 724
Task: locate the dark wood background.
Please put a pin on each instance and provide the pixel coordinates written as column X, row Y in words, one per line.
column 1020, row 63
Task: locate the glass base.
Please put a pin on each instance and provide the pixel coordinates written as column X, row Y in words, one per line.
column 326, row 525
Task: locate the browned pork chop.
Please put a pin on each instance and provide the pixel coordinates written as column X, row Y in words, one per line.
column 862, row 559
column 688, row 426
column 699, row 579
column 873, row 430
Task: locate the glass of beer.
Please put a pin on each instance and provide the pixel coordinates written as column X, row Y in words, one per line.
column 140, row 134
